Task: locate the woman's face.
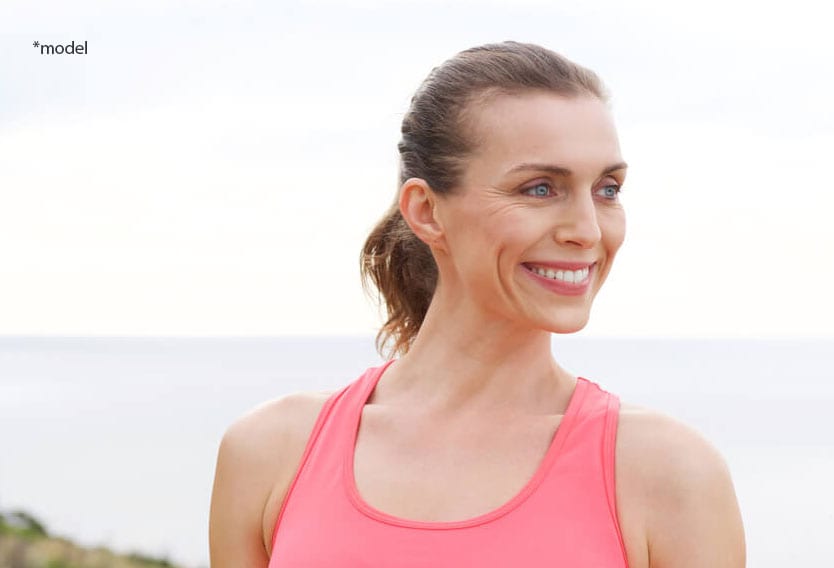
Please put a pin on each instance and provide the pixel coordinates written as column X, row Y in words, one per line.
column 540, row 190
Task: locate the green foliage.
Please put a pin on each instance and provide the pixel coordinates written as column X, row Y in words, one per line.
column 31, row 523
column 22, row 524
column 150, row 561
column 25, row 543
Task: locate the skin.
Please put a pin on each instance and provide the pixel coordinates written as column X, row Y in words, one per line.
column 482, row 361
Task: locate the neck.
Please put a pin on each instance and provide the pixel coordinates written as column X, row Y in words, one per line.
column 468, row 363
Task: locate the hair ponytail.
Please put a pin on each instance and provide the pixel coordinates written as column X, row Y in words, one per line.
column 403, row 270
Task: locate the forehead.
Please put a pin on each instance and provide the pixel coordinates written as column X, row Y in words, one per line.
column 574, row 132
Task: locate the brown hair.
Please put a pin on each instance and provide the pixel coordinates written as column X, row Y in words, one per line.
column 433, row 147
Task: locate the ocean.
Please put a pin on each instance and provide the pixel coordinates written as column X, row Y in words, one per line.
column 112, row 441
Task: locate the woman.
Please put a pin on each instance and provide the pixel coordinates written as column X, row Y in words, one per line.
column 474, row 447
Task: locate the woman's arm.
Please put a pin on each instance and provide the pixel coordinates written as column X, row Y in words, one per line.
column 256, row 463
column 238, row 498
column 693, row 518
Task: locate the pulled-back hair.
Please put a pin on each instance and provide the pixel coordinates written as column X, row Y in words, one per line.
column 436, row 140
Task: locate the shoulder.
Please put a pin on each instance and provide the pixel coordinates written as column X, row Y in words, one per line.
column 256, row 461
column 669, row 444
column 688, row 505
column 279, row 421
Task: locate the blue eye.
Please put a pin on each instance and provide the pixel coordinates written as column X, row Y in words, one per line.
column 539, row 190
column 611, row 191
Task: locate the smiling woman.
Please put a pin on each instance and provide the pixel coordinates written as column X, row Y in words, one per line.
column 475, row 447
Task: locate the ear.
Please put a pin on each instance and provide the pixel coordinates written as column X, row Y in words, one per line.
column 418, row 206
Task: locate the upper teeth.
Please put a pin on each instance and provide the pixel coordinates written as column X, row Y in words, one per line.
column 564, row 275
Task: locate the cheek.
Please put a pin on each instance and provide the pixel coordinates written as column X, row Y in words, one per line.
column 614, row 230
column 499, row 226
column 491, row 242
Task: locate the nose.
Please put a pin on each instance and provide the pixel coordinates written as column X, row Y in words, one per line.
column 578, row 223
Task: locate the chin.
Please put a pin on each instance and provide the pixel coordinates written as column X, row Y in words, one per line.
column 567, row 324
column 564, row 330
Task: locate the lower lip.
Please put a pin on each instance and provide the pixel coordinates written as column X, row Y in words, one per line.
column 560, row 287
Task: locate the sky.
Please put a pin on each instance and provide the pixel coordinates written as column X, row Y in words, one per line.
column 213, row 167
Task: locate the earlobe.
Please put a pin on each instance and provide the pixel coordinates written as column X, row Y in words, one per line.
column 418, row 206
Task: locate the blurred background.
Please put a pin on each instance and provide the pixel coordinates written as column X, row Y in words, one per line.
column 182, row 208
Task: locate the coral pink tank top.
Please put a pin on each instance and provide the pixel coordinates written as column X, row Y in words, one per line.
column 564, row 516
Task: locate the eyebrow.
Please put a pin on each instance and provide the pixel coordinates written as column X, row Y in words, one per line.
column 559, row 170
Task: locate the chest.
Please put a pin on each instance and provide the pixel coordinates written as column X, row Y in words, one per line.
column 424, row 472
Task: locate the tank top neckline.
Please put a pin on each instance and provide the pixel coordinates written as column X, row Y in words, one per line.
column 550, row 456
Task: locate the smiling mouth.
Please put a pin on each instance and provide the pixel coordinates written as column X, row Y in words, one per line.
column 579, row 276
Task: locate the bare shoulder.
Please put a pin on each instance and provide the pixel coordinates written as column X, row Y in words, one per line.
column 678, row 486
column 257, row 460
column 278, row 420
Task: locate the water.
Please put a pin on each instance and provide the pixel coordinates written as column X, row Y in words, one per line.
column 112, row 441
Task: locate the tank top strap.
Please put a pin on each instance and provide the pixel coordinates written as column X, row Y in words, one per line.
column 330, row 435
column 588, row 459
column 612, row 416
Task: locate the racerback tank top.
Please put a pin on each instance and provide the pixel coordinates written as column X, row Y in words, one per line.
column 564, row 516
